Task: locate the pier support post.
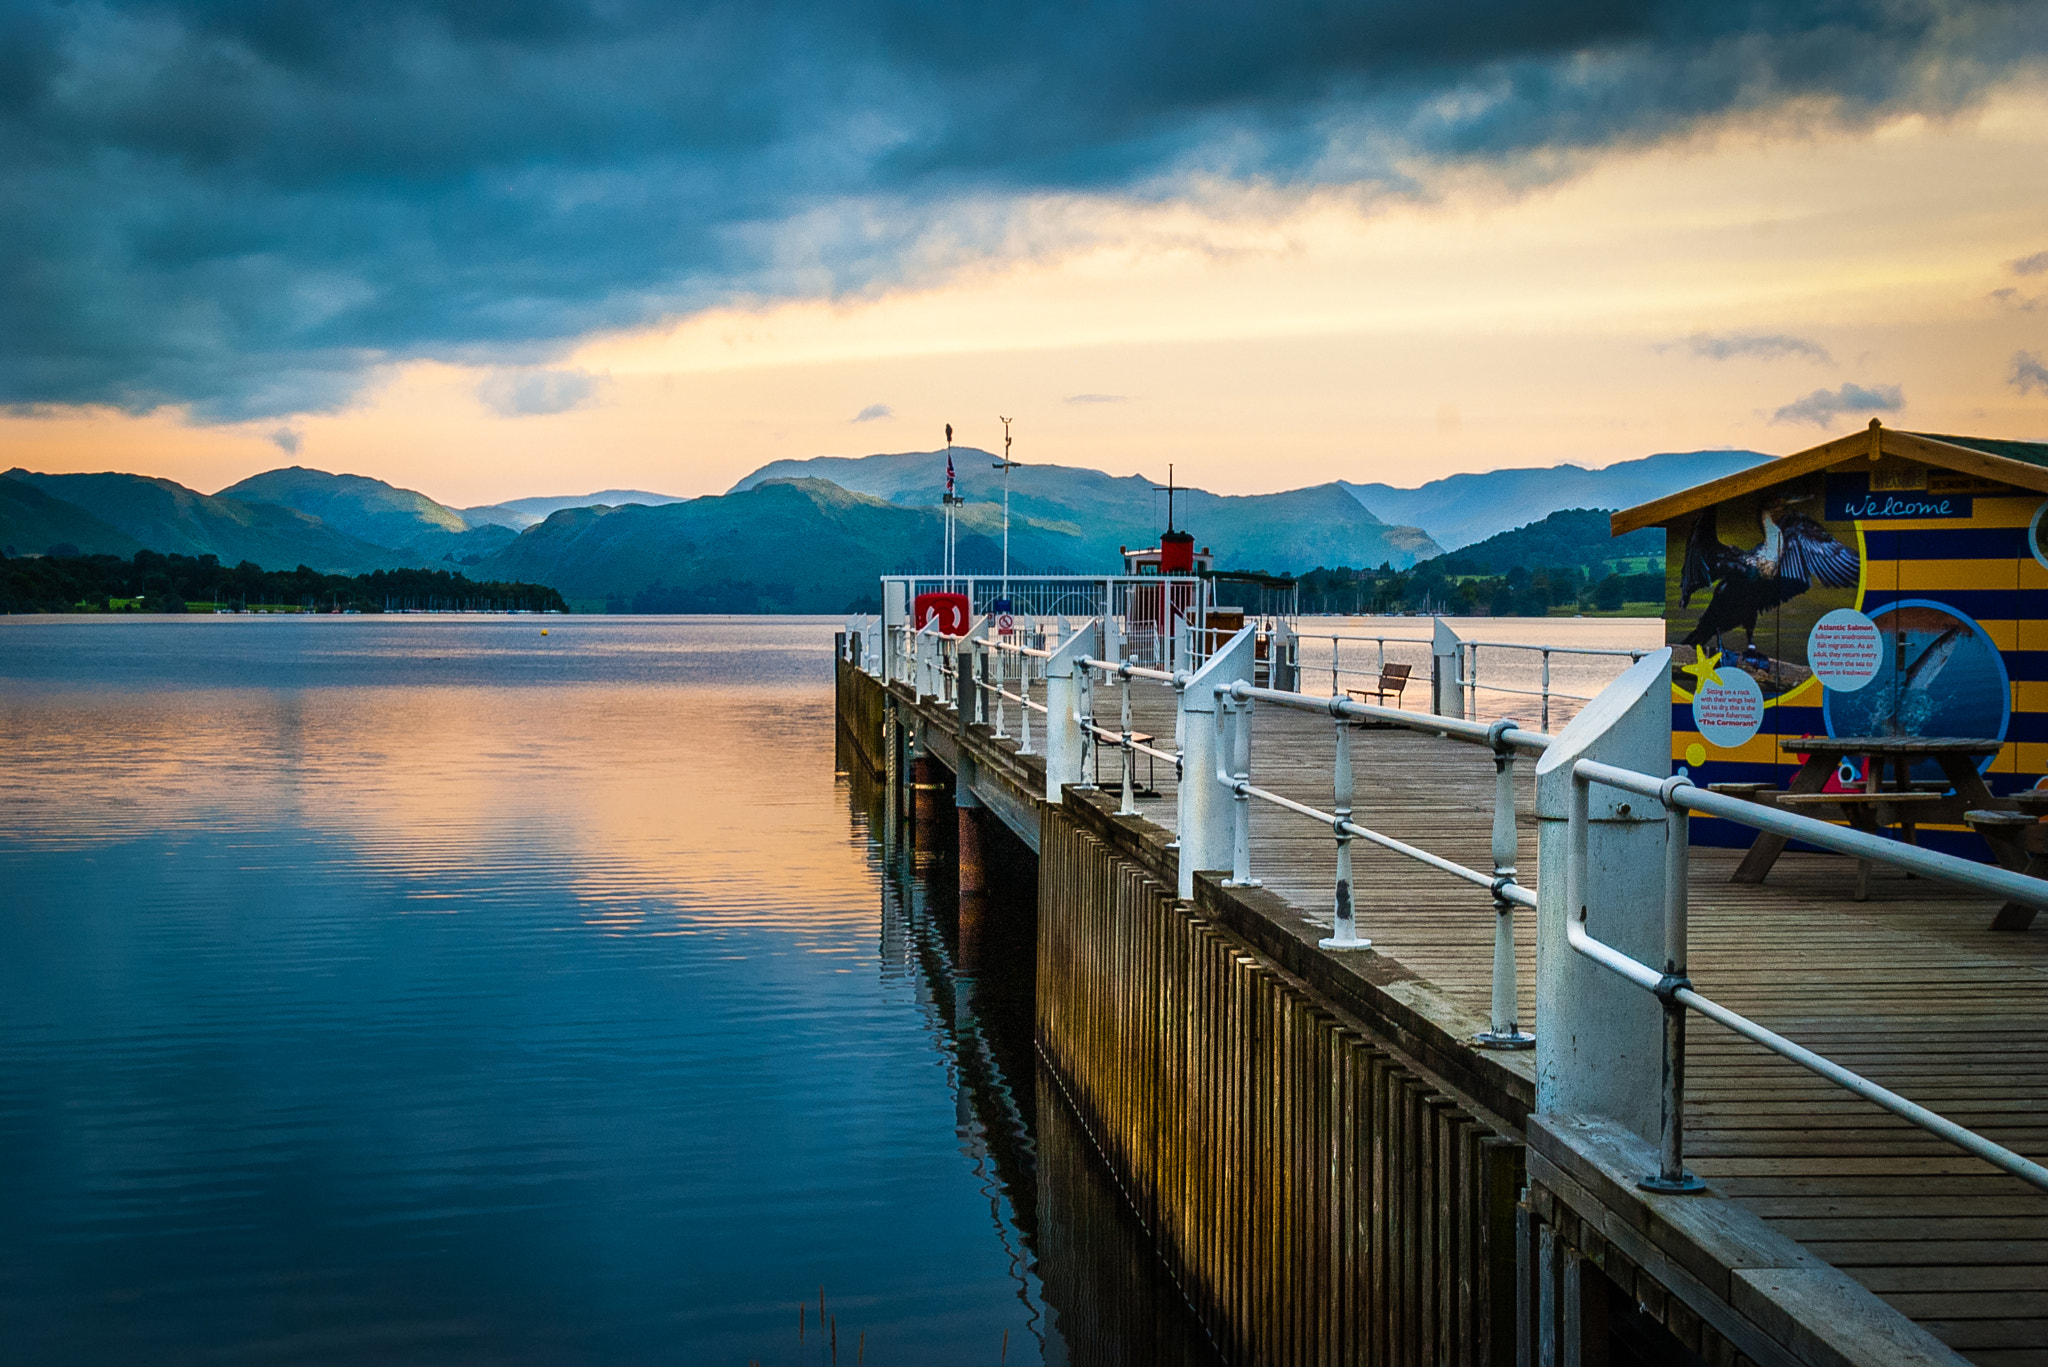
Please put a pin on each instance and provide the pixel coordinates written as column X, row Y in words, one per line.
column 925, row 804
column 1600, row 1040
column 973, row 881
column 1206, row 817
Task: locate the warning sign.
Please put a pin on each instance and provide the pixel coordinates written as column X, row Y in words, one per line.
column 1727, row 713
column 1845, row 650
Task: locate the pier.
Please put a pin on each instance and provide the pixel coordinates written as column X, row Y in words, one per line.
column 1449, row 1146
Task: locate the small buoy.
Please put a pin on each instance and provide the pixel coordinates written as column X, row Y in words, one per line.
column 543, row 631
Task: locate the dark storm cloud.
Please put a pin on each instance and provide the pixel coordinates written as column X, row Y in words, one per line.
column 247, row 206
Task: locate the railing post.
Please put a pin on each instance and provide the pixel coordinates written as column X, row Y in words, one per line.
column 1598, row 1036
column 973, row 650
column 995, row 659
column 1234, row 769
column 1024, row 706
column 1671, row 1175
column 1205, row 814
column 1067, row 706
column 895, row 615
column 1130, row 756
column 1344, row 918
column 1546, row 690
column 1505, row 1031
column 1284, row 652
column 1447, row 694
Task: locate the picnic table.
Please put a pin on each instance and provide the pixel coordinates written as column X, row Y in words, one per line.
column 1875, row 806
column 2019, row 841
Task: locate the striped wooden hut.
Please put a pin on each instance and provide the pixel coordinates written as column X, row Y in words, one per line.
column 1884, row 584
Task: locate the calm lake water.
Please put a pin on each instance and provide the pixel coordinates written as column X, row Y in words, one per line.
column 430, row 989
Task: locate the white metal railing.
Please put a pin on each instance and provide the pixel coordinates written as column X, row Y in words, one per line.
column 1369, row 658
column 1378, row 640
column 1675, row 991
column 1468, row 672
column 1025, row 656
column 1129, row 747
column 1672, row 988
column 1152, row 612
column 1213, row 754
column 1504, row 738
column 1670, row 985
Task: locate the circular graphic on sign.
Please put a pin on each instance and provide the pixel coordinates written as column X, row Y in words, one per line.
column 1844, row 650
column 1728, row 713
column 1942, row 676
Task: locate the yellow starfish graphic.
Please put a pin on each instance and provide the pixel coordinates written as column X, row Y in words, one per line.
column 1703, row 671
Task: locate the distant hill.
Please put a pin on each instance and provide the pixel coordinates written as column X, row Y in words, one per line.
column 521, row 513
column 1577, row 537
column 373, row 511
column 32, row 522
column 166, row 516
column 1076, row 520
column 785, row 546
column 1461, row 509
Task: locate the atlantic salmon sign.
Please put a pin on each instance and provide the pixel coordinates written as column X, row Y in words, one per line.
column 1851, row 499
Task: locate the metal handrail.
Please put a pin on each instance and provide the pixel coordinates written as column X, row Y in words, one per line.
column 1504, row 738
column 1455, row 728
column 1468, row 670
column 1632, row 653
column 1674, row 989
column 1128, row 746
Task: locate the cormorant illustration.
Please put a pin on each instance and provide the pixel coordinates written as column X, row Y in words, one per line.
column 1795, row 552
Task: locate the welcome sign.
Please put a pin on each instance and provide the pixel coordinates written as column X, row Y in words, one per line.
column 1851, row 499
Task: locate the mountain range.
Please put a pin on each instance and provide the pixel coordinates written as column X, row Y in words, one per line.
column 522, row 513
column 1461, row 509
column 1076, row 520
column 813, row 535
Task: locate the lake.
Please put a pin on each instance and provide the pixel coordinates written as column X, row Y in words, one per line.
column 419, row 989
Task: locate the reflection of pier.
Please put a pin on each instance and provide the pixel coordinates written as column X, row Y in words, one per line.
column 1089, row 1284
column 1337, row 1172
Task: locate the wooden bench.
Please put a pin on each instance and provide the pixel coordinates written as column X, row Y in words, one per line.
column 1110, row 743
column 1393, row 680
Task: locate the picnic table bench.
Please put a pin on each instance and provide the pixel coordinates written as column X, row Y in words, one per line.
column 1905, row 804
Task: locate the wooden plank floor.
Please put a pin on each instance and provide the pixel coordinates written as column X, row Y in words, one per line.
column 1910, row 989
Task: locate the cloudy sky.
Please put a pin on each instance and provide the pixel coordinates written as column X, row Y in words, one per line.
column 488, row 248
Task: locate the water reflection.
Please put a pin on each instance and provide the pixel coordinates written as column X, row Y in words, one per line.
column 420, row 990
column 1084, row 1267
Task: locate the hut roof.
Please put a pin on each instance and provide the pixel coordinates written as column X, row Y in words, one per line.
column 2020, row 463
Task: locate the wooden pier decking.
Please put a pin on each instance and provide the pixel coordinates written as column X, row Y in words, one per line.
column 1911, row 988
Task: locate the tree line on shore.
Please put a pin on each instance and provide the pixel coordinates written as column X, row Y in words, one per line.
column 1444, row 586
column 156, row 582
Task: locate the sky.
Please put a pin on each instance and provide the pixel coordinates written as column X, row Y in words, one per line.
column 490, row 250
